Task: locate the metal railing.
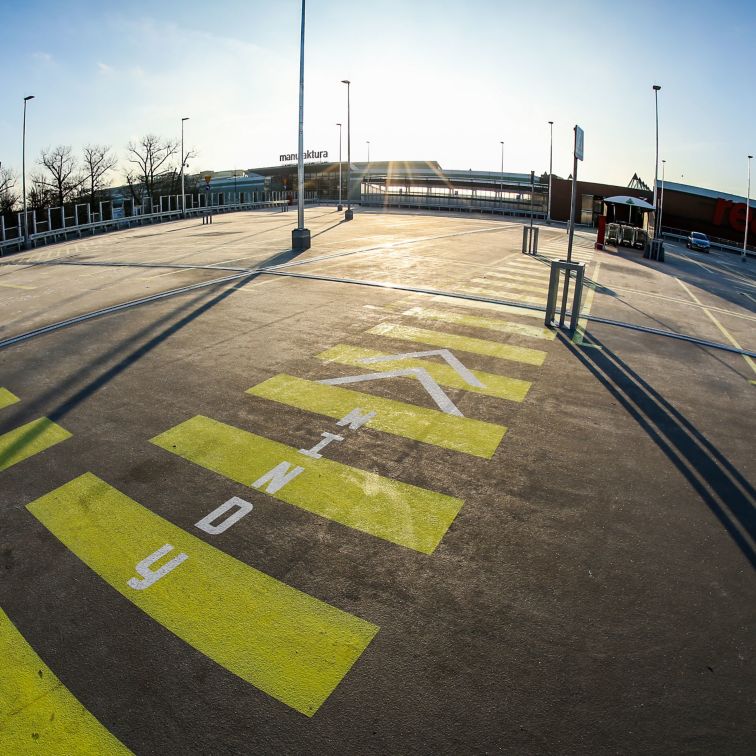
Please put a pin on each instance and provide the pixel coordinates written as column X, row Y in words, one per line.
column 57, row 225
column 724, row 245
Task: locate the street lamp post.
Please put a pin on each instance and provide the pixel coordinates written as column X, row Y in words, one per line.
column 23, row 173
column 348, row 215
column 748, row 207
column 656, row 88
column 300, row 236
column 183, row 195
column 340, row 203
column 661, row 199
column 501, row 179
column 551, row 168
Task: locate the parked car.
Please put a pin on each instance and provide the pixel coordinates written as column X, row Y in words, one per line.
column 697, row 240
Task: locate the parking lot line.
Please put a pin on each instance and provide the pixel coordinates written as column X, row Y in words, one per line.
column 29, row 439
column 430, row 426
column 475, row 321
column 532, row 276
column 288, row 644
column 445, row 340
column 389, row 509
column 498, row 386
column 469, row 303
column 38, row 714
column 7, row 398
column 512, row 295
column 16, row 286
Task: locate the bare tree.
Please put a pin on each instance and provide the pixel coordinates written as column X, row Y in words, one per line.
column 8, row 196
column 150, row 157
column 98, row 160
column 41, row 195
column 62, row 173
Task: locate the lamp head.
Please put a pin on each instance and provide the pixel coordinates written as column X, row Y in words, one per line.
column 551, row 123
column 28, row 97
column 345, row 81
column 656, row 87
column 185, row 119
column 338, row 124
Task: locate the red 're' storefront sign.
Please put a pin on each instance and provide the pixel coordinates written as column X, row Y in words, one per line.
column 733, row 214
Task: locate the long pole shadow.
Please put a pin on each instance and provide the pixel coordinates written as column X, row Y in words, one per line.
column 721, row 486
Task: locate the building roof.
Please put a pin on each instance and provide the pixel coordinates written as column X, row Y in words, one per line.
column 701, row 192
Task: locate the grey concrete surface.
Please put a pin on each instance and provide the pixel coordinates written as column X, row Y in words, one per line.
column 594, row 594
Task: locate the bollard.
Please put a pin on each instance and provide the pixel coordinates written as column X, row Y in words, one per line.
column 559, row 267
column 529, row 240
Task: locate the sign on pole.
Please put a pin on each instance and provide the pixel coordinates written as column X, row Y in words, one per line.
column 579, row 142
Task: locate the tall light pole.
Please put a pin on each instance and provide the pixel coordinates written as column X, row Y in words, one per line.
column 300, row 236
column 551, row 167
column 501, row 179
column 183, row 196
column 348, row 215
column 23, row 173
column 656, row 164
column 340, row 204
column 368, row 167
column 748, row 207
column 661, row 199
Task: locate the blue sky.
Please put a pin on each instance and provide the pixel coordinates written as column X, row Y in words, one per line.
column 432, row 80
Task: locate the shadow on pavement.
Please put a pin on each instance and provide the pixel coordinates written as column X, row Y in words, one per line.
column 721, row 486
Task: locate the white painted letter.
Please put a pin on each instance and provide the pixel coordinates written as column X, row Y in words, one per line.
column 206, row 523
column 354, row 419
column 327, row 438
column 278, row 477
column 149, row 576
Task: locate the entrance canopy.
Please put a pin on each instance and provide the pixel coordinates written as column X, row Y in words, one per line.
column 641, row 204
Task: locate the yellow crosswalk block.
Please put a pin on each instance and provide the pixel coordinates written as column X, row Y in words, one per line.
column 30, row 439
column 475, row 321
column 512, row 295
column 38, row 714
column 498, row 386
column 542, row 289
column 431, row 426
column 7, row 398
column 472, row 304
column 463, row 343
column 388, row 509
column 521, row 276
column 292, row 646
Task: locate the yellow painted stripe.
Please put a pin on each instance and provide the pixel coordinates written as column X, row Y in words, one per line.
column 431, row 426
column 515, row 295
column 516, row 275
column 472, row 304
column 385, row 508
column 475, row 321
column 16, row 286
column 463, row 343
column 7, row 398
column 30, row 439
column 537, row 289
column 290, row 645
column 37, row 713
column 498, row 386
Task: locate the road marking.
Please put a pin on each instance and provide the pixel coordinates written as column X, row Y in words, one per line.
column 38, row 714
column 532, row 276
column 30, row 439
column 288, row 644
column 462, row 434
column 474, row 321
column 17, row 286
column 498, row 386
column 453, row 362
column 722, row 329
column 515, row 295
column 469, row 303
column 461, row 343
column 511, row 285
column 394, row 511
column 746, row 294
column 7, row 398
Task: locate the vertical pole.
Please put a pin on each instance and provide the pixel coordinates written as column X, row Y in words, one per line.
column 300, row 167
column 656, row 164
column 340, row 202
column 748, row 207
column 501, row 179
column 23, row 173
column 573, row 200
column 551, row 168
column 348, row 215
column 661, row 199
column 532, row 198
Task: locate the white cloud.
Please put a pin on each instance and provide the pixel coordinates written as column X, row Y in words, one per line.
column 105, row 69
column 42, row 57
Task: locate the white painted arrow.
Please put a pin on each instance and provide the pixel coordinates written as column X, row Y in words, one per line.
column 453, row 362
column 436, row 392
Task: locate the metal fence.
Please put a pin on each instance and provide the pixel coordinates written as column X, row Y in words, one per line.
column 57, row 224
column 726, row 245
